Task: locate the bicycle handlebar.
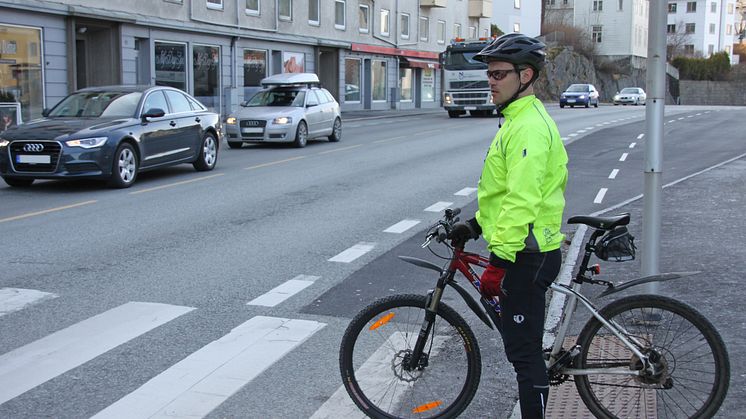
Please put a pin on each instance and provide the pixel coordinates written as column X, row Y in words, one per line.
column 442, row 229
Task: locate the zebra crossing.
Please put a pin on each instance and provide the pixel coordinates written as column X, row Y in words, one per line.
column 192, row 387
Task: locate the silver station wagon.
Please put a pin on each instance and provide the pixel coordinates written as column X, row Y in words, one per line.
column 292, row 108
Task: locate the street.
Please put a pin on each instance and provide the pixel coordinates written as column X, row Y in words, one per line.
column 141, row 302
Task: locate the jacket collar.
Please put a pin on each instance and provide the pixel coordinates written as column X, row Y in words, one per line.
column 517, row 106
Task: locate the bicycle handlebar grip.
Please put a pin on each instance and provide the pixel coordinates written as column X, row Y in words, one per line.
column 442, row 236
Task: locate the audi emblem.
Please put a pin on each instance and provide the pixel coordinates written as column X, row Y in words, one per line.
column 252, row 123
column 36, row 148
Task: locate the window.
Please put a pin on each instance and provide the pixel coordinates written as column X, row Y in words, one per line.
column 472, row 32
column 621, row 5
column 713, row 7
column 363, row 15
column 727, row 49
column 730, row 8
column 313, row 12
column 428, row 85
column 405, row 83
column 215, row 4
column 689, row 49
column 457, row 30
column 170, row 64
column 285, row 9
column 712, row 28
column 178, row 101
column 671, row 28
column 598, row 5
column 689, row 28
column 254, row 67
column 384, row 22
column 404, row 26
column 252, row 7
column 340, row 8
column 441, row 32
column 206, row 74
column 352, row 80
column 710, row 49
column 424, row 28
column 516, row 4
column 729, row 29
column 378, row 73
column 691, row 7
column 671, row 7
column 596, row 34
column 484, row 33
column 293, row 62
column 155, row 100
column 516, row 27
column 551, row 2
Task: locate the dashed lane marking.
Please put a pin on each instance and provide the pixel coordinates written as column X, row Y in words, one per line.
column 170, row 185
column 353, row 252
column 624, row 157
column 272, row 163
column 632, row 145
column 613, row 174
column 639, row 137
column 283, row 291
column 14, row 299
column 401, row 226
column 46, row 211
column 438, row 206
column 466, row 192
column 600, row 196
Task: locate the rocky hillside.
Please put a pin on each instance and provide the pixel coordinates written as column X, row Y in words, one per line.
column 565, row 67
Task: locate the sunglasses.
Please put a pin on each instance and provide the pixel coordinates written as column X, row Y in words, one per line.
column 498, row 75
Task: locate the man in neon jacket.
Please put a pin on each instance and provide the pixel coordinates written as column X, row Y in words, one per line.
column 521, row 200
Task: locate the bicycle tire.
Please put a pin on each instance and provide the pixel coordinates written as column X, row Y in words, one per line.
column 382, row 334
column 694, row 361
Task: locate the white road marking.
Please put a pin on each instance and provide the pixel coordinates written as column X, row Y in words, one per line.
column 580, row 131
column 613, row 174
column 607, row 123
column 600, row 195
column 199, row 383
column 353, row 252
column 624, row 157
column 681, row 118
column 283, row 291
column 564, row 139
column 639, row 137
column 573, row 135
column 401, row 226
column 438, row 206
column 47, row 211
column 699, row 114
column 14, row 299
column 673, row 120
column 589, row 128
column 690, row 116
column 632, row 145
column 466, row 192
column 38, row 362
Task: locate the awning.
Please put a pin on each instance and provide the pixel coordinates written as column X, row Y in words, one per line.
column 412, row 63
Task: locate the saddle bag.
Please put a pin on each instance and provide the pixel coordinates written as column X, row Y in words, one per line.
column 617, row 245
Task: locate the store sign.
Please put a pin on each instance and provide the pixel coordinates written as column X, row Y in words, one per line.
column 170, row 65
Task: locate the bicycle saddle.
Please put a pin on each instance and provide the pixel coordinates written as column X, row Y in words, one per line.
column 603, row 223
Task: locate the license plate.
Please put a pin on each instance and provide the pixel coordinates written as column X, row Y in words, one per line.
column 33, row 158
column 252, row 130
column 470, row 108
column 570, row 100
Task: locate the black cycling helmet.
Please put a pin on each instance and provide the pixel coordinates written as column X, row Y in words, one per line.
column 515, row 48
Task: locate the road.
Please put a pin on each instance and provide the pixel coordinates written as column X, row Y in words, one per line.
column 143, row 301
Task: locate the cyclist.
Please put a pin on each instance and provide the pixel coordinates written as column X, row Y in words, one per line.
column 521, row 198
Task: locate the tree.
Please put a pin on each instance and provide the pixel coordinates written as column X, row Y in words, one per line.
column 495, row 31
column 676, row 40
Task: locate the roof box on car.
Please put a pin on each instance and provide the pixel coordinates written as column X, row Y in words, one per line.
column 292, row 79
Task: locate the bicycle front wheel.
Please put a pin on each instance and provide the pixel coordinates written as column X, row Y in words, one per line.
column 691, row 367
column 375, row 356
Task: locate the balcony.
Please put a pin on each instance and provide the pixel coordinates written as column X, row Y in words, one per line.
column 480, row 8
column 433, row 3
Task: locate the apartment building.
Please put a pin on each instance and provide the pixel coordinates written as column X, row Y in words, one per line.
column 702, row 27
column 522, row 16
column 371, row 54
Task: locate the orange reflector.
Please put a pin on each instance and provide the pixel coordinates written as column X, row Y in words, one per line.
column 383, row 320
column 427, row 406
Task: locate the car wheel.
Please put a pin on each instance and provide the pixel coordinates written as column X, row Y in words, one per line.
column 18, row 182
column 235, row 144
column 336, row 131
column 301, row 135
column 124, row 169
column 208, row 154
column 454, row 114
column 588, row 104
column 595, row 105
column 562, row 106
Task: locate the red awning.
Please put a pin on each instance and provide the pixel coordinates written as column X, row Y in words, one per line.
column 412, row 63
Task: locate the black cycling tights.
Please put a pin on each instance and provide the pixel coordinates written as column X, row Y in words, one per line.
column 523, row 304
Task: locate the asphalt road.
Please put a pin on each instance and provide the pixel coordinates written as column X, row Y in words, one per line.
column 194, row 254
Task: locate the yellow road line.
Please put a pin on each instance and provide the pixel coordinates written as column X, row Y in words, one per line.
column 33, row 214
column 341, row 149
column 259, row 166
column 175, row 184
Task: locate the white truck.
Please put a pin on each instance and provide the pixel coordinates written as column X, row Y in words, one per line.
column 465, row 79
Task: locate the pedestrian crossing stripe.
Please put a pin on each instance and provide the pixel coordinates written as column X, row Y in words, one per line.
column 14, row 299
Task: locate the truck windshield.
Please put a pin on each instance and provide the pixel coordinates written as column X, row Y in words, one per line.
column 463, row 60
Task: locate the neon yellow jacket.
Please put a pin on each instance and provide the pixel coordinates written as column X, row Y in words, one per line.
column 521, row 190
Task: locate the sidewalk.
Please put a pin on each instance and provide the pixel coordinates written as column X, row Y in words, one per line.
column 703, row 229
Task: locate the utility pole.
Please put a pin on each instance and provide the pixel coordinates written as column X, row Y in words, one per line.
column 654, row 110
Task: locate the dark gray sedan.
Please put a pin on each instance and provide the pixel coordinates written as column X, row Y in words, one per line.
column 111, row 133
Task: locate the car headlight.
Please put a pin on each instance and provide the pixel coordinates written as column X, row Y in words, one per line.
column 283, row 120
column 231, row 120
column 87, row 142
column 447, row 98
column 581, row 97
column 616, row 97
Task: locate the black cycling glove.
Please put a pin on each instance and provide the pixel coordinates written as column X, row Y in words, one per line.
column 468, row 230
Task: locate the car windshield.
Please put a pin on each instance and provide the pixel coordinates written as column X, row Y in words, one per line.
column 629, row 90
column 97, row 104
column 577, row 88
column 278, row 97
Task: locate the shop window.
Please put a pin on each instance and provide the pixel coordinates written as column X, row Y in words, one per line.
column 352, row 80
column 428, row 85
column 405, row 83
column 20, row 69
column 206, row 71
column 379, row 80
column 254, row 67
column 170, row 64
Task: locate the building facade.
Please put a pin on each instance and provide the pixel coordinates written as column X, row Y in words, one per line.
column 522, row 16
column 702, row 27
column 378, row 54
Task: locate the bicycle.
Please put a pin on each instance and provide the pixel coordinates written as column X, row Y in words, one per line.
column 414, row 356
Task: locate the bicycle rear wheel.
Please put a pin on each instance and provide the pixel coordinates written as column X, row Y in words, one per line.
column 374, row 356
column 692, row 362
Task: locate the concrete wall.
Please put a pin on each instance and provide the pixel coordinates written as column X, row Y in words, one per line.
column 712, row 92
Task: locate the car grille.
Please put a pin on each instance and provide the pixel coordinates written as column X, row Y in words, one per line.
column 476, row 98
column 81, row 167
column 50, row 148
column 479, row 84
column 252, row 123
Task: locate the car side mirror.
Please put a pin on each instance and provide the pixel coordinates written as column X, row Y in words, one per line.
column 153, row 113
column 244, row 103
column 311, row 105
column 45, row 112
